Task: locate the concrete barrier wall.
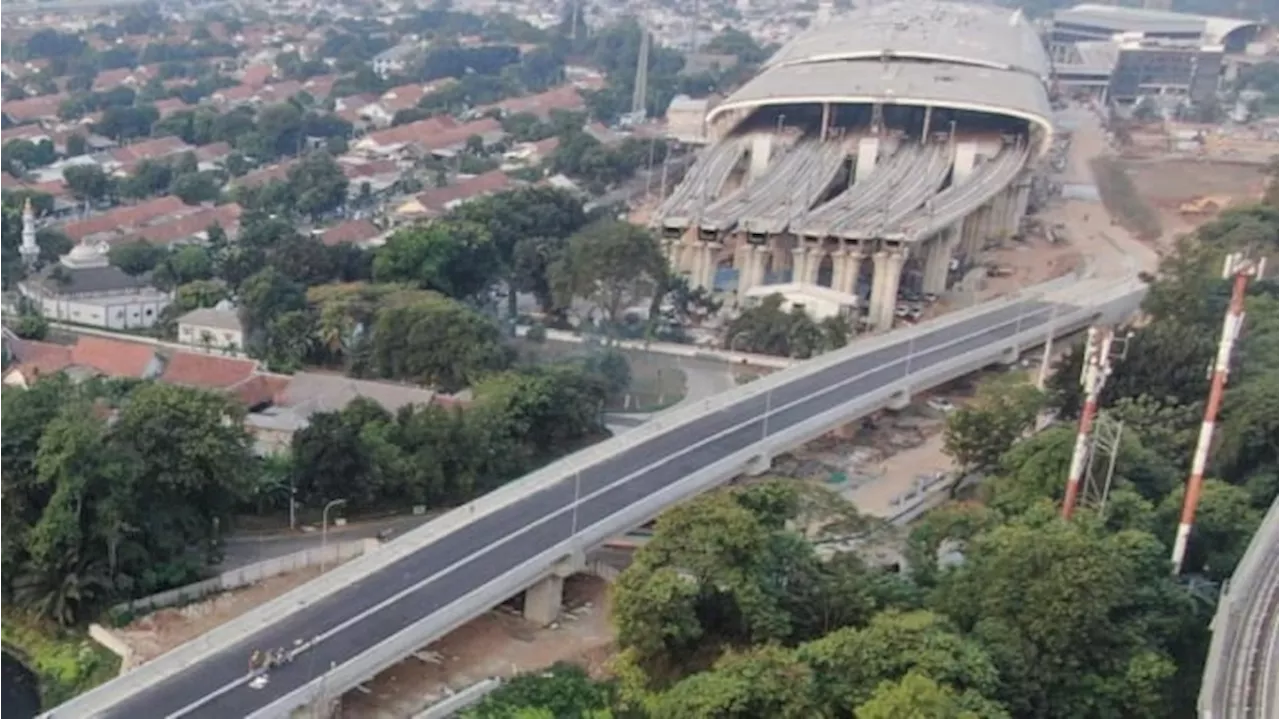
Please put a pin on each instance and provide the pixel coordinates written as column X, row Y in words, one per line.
column 244, row 576
column 1113, row 304
column 1218, row 687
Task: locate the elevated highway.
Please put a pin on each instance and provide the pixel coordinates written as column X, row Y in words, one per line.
column 1243, row 669
column 368, row 614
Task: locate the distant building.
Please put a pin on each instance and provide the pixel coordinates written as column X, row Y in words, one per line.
column 84, row 288
column 686, row 119
column 1121, row 54
column 395, row 60
column 211, row 328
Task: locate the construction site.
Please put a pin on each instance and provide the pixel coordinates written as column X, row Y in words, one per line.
column 843, row 150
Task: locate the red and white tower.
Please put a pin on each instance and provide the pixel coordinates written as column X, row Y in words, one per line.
column 1240, row 270
column 1093, row 375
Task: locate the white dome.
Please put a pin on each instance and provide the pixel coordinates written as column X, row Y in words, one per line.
column 85, row 255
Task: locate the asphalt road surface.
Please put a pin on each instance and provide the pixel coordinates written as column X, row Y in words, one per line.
column 363, row 614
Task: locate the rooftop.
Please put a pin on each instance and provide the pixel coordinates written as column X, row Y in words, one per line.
column 955, row 32
column 1212, row 29
column 942, row 84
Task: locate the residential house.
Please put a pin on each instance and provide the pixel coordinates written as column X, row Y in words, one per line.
column 309, row 393
column 120, row 219
column 203, row 371
column 43, row 107
column 361, row 233
column 564, row 97
column 211, row 156
column 437, row 201
column 380, row 175
column 435, row 135
column 123, row 160
column 211, row 328
column 191, row 229
column 529, row 154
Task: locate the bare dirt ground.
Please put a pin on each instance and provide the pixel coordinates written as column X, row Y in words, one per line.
column 1167, row 184
column 163, row 630
column 499, row 644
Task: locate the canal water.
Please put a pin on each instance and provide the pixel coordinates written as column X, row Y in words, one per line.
column 19, row 692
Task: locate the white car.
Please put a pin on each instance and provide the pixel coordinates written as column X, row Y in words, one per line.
column 941, row 404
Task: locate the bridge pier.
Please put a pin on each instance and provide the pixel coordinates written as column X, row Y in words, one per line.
column 542, row 600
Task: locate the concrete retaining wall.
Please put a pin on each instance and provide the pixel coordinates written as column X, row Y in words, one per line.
column 464, row 699
column 114, row 644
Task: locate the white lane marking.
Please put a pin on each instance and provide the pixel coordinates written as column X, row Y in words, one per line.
column 582, row 500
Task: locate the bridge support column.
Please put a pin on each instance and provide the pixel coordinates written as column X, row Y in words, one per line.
column 542, row 600
column 710, row 253
column 742, row 259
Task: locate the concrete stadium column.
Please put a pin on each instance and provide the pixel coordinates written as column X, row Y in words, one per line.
column 966, row 155
column 758, row 255
column 826, row 120
column 890, row 277
column 812, row 263
column 542, row 600
column 999, row 226
column 852, row 263
column 799, row 266
column 709, row 252
column 868, row 152
column 938, row 260
column 742, row 257
column 878, row 282
column 761, row 146
column 689, row 257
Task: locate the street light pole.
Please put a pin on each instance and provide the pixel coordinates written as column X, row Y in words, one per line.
column 324, row 529
column 577, row 492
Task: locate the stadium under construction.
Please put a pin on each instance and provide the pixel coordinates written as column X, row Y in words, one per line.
column 891, row 139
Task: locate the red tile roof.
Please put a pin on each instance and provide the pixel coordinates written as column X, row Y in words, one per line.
column 565, row 97
column 188, row 226
column 34, row 108
column 213, row 151
column 153, row 149
column 255, row 75
column 112, row 357
column 351, row 231
column 259, row 389
column 263, row 175
column 127, row 217
column 192, row 369
column 411, row 132
column 436, row 201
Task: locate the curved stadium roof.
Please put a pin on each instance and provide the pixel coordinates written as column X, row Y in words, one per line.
column 967, row 57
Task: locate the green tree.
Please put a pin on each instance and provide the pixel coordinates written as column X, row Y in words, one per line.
column 435, row 341
column 563, row 691
column 979, row 433
column 766, row 681
column 136, row 258
column 916, row 696
column 612, row 264
column 457, row 259
column 266, row 295
column 767, row 329
column 87, row 182
column 1225, row 522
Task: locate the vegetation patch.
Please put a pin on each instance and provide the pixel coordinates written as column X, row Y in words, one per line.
column 66, row 661
column 1122, row 200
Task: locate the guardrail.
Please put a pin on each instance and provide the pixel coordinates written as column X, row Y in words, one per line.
column 387, row 653
column 1246, row 609
column 354, row 671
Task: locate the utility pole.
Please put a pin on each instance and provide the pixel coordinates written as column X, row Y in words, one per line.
column 1093, row 375
column 1240, row 270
